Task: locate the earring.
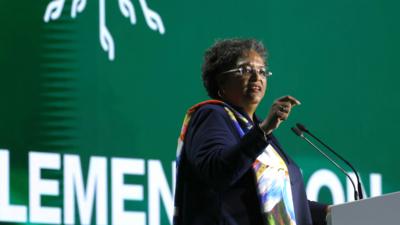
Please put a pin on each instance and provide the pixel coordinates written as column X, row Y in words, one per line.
column 219, row 93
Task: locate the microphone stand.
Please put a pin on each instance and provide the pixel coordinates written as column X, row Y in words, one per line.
column 360, row 192
column 299, row 133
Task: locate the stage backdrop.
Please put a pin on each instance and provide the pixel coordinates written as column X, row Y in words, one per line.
column 93, row 94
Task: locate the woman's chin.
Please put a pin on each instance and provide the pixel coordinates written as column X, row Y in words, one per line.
column 254, row 98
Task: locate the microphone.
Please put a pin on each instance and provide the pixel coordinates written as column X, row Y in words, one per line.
column 299, row 133
column 304, row 129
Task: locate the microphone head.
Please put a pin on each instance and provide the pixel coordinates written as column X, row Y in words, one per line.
column 297, row 131
column 301, row 127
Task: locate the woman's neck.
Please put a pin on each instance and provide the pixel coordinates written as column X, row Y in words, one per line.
column 249, row 109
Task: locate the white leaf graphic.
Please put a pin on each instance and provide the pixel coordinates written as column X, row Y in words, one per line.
column 153, row 20
column 127, row 10
column 77, row 7
column 106, row 40
column 53, row 10
column 55, row 7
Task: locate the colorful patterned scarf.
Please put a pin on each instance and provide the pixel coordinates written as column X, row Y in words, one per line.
column 272, row 174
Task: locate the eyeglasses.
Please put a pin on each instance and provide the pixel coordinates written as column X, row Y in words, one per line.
column 245, row 70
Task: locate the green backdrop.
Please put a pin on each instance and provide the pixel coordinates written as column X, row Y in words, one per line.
column 93, row 94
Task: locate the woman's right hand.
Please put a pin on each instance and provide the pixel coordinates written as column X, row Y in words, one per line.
column 279, row 112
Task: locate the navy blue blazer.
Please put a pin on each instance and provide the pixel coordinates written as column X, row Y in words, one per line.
column 216, row 183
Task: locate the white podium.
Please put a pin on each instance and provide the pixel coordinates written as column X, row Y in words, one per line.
column 381, row 210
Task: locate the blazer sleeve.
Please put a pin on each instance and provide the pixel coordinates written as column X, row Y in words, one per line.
column 318, row 212
column 214, row 149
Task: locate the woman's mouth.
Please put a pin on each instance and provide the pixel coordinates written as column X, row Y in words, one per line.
column 254, row 88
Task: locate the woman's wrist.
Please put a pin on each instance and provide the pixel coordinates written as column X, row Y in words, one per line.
column 266, row 129
column 266, row 133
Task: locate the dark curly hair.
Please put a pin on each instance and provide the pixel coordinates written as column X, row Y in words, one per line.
column 223, row 56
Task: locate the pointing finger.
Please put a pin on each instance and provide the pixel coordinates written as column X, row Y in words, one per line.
column 290, row 99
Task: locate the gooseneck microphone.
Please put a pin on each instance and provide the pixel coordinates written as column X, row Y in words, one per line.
column 304, row 129
column 299, row 133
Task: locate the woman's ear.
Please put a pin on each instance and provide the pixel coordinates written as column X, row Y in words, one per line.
column 221, row 93
column 220, row 86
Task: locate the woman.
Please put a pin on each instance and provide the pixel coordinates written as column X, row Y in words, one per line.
column 231, row 169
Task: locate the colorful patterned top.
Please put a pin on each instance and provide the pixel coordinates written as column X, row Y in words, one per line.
column 272, row 175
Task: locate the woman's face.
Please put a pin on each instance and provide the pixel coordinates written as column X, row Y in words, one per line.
column 249, row 88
